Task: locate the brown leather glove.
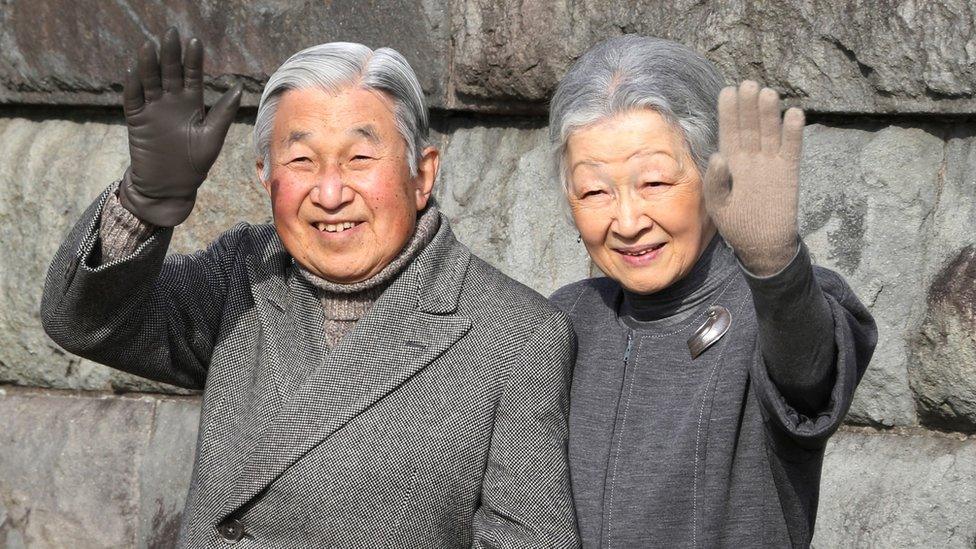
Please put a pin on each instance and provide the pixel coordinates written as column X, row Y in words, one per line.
column 172, row 144
column 752, row 183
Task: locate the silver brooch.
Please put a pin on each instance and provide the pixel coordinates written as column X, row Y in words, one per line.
column 718, row 322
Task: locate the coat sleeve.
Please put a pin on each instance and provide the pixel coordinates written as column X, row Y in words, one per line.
column 526, row 499
column 145, row 313
column 815, row 342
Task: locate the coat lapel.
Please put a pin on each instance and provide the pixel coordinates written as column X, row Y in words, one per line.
column 412, row 324
column 286, row 349
column 291, row 327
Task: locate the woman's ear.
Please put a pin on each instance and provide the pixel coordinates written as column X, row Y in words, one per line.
column 426, row 175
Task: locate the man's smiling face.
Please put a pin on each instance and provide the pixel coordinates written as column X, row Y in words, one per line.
column 343, row 199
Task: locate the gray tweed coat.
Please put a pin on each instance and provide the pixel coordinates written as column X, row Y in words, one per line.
column 438, row 421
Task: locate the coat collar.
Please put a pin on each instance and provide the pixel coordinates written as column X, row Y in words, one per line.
column 269, row 266
column 410, row 325
column 438, row 270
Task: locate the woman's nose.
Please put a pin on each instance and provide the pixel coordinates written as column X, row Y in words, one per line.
column 330, row 192
column 630, row 219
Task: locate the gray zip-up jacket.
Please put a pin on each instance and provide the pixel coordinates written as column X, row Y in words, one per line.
column 670, row 451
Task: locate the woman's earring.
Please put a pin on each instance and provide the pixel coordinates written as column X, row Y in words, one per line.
column 579, row 238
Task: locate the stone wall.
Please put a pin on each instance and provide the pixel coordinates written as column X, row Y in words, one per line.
column 888, row 199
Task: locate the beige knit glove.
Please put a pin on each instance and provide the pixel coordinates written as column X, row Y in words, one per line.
column 751, row 185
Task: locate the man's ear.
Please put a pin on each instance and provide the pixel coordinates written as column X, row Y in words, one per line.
column 427, row 168
column 259, row 170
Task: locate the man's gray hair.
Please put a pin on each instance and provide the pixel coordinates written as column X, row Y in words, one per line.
column 637, row 72
column 336, row 65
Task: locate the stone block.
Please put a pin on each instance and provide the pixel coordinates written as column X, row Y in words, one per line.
column 866, row 200
column 76, row 52
column 165, row 469
column 497, row 187
column 51, row 171
column 891, row 209
column 824, row 55
column 507, row 56
column 900, row 489
column 943, row 361
column 87, row 470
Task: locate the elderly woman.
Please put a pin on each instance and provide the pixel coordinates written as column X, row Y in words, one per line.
column 714, row 361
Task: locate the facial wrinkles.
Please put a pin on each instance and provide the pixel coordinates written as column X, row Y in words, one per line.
column 350, row 172
column 334, row 133
column 339, row 151
column 644, row 168
column 628, row 178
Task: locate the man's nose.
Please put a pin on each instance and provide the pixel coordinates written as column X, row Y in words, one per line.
column 330, row 192
column 630, row 217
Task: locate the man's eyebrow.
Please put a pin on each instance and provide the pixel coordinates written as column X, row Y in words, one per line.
column 294, row 137
column 367, row 131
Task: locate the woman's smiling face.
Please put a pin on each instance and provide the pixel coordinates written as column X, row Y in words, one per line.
column 636, row 198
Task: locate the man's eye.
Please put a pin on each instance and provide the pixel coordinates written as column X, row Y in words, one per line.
column 360, row 157
column 300, row 159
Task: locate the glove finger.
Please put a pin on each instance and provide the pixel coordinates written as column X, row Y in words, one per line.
column 717, row 184
column 149, row 72
column 223, row 111
column 170, row 61
column 215, row 126
column 749, row 116
column 769, row 125
column 132, row 100
column 728, row 121
column 793, row 122
column 193, row 65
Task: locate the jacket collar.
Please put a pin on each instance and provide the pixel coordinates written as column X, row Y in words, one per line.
column 437, row 271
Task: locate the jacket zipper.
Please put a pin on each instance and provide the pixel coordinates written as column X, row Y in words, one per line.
column 630, row 343
column 606, row 526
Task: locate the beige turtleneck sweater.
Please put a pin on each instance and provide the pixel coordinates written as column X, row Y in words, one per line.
column 344, row 304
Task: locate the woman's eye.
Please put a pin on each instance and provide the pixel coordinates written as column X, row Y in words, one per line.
column 654, row 185
column 593, row 193
column 300, row 159
column 361, row 157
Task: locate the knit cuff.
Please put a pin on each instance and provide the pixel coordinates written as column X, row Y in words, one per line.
column 121, row 231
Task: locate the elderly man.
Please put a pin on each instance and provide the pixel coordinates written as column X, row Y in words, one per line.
column 367, row 381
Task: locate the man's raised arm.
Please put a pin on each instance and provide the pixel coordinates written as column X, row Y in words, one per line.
column 108, row 295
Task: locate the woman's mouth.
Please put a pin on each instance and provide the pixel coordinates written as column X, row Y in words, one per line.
column 640, row 255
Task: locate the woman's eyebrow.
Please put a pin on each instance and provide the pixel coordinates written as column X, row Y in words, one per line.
column 590, row 163
column 635, row 154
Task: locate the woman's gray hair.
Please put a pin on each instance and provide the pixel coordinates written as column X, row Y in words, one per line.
column 637, row 72
column 336, row 65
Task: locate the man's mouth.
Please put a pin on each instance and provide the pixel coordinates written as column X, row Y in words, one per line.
column 335, row 227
